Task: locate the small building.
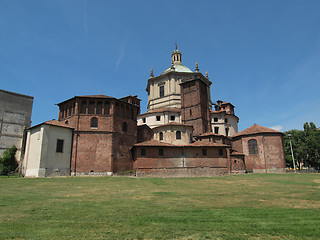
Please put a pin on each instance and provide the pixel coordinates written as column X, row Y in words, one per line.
column 48, row 150
column 15, row 118
column 262, row 148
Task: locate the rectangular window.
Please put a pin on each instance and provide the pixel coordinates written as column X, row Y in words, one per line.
column 172, row 118
column 227, row 131
column 59, row 145
column 158, row 118
column 161, row 91
column 216, row 130
column 215, row 119
column 220, row 152
column 226, row 120
column 143, row 152
column 144, row 120
column 204, row 152
column 160, row 151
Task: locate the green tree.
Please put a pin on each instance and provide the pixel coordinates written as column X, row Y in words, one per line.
column 312, row 144
column 298, row 145
column 8, row 161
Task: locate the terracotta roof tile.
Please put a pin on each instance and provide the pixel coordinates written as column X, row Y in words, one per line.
column 255, row 129
column 54, row 122
column 162, row 110
column 210, row 134
column 173, row 124
column 206, row 144
column 236, row 153
column 153, row 143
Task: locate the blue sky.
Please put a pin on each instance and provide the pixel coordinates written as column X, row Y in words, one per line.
column 262, row 56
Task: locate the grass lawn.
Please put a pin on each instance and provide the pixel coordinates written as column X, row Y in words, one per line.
column 252, row 206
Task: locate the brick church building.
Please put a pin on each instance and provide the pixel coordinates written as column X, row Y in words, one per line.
column 179, row 135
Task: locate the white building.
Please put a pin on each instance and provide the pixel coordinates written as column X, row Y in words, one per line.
column 48, row 150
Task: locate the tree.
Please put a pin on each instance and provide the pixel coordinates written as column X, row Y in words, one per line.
column 305, row 145
column 298, row 145
column 312, row 141
column 8, row 161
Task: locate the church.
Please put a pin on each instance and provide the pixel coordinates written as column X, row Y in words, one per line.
column 182, row 134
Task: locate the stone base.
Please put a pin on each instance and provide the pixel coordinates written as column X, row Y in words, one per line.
column 91, row 173
column 182, row 172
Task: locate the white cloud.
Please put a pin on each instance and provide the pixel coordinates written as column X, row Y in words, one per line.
column 122, row 51
column 277, row 127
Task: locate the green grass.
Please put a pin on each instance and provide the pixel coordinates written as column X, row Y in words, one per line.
column 252, row 206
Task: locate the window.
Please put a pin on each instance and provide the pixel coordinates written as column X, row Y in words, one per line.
column 216, row 130
column 116, row 110
column 143, row 152
column 190, row 112
column 178, row 135
column 144, row 120
column 125, row 127
column 59, row 145
column 160, row 151
column 94, row 122
column 227, row 131
column 158, row 118
column 161, row 91
column 91, row 107
column 161, row 136
column 204, row 152
column 226, row 120
column 172, row 118
column 83, row 107
column 106, row 108
column 253, row 146
column 99, row 107
column 220, row 152
column 215, row 119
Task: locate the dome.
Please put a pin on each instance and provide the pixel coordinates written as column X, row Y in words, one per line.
column 177, row 68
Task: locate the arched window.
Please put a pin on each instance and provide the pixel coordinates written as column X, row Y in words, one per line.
column 99, row 107
column 124, row 127
column 253, row 146
column 94, row 122
column 161, row 136
column 83, row 107
column 107, row 108
column 91, row 107
column 178, row 135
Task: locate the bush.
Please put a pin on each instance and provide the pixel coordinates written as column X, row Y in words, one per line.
column 8, row 161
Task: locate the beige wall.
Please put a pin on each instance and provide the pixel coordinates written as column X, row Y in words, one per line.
column 232, row 123
column 165, row 117
column 169, row 134
column 41, row 159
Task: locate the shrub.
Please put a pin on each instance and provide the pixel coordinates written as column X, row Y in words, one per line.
column 8, row 161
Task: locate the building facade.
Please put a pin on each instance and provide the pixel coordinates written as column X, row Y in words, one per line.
column 180, row 135
column 15, row 118
column 105, row 129
column 48, row 150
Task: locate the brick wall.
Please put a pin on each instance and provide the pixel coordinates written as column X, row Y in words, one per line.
column 195, row 106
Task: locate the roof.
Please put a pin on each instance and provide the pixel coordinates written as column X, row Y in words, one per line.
column 155, row 143
column 177, row 68
column 256, row 129
column 173, row 124
column 88, row 96
column 235, row 153
column 206, row 144
column 54, row 122
column 210, row 134
column 159, row 110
